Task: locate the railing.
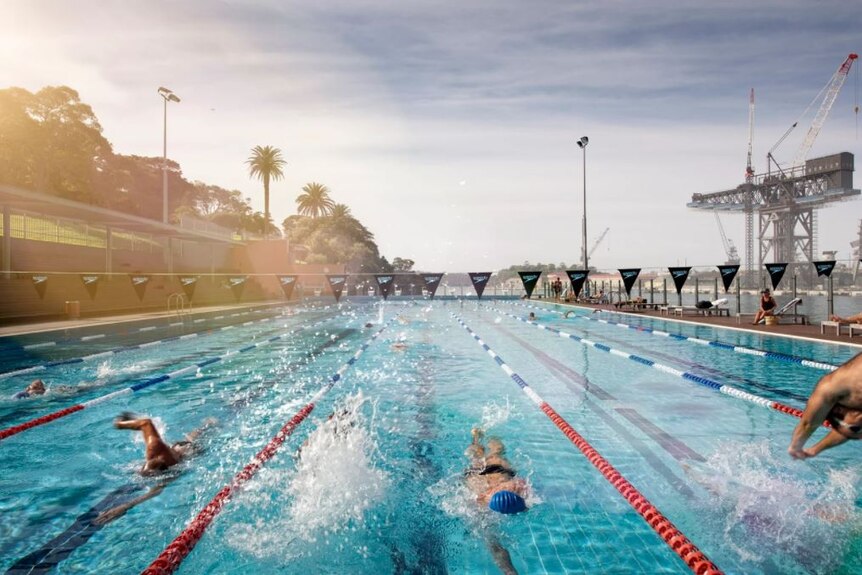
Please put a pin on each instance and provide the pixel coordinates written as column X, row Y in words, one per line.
column 183, row 305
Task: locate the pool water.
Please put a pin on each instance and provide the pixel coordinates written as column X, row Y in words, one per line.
column 379, row 488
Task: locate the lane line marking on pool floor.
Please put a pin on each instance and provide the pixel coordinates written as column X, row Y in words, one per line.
column 15, row 429
column 681, row 545
column 771, row 355
column 125, row 348
column 175, row 553
column 698, row 379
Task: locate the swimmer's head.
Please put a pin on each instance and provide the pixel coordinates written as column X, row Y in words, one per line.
column 369, row 324
column 532, row 315
column 507, row 502
column 847, row 422
column 36, row 387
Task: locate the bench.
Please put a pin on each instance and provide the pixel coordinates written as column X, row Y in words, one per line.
column 681, row 310
column 854, row 327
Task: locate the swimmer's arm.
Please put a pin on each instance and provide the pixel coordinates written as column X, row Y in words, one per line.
column 120, row 510
column 832, row 439
column 819, row 404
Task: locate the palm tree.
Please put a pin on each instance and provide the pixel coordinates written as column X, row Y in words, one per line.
column 340, row 211
column 314, row 201
column 265, row 163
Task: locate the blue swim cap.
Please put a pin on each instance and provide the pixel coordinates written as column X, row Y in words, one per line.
column 507, row 502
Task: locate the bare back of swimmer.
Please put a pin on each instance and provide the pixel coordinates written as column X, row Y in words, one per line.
column 160, row 456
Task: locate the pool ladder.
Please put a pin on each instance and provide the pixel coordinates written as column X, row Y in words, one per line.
column 179, row 303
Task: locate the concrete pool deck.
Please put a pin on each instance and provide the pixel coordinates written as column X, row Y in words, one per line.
column 791, row 330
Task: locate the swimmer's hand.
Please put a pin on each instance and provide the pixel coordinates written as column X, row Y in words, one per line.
column 125, row 416
column 800, row 453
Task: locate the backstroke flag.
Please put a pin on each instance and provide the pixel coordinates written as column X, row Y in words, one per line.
column 529, row 279
column 188, row 283
column 824, row 268
column 40, row 283
column 384, row 282
column 336, row 283
column 432, row 282
column 727, row 275
column 287, row 285
column 236, row 285
column 776, row 272
column 480, row 280
column 578, row 278
column 679, row 276
column 140, row 285
column 91, row 282
column 630, row 276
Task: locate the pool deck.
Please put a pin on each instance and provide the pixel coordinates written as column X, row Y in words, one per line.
column 798, row 331
column 65, row 324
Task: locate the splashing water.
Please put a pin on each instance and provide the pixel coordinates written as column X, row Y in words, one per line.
column 332, row 486
column 494, row 414
column 774, row 517
column 106, row 370
column 380, row 315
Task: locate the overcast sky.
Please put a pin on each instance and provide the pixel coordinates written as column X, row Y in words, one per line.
column 450, row 128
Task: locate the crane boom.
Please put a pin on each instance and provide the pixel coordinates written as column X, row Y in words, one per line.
column 598, row 241
column 832, row 90
column 749, row 169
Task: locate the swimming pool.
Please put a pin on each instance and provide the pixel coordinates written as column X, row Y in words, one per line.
column 384, row 492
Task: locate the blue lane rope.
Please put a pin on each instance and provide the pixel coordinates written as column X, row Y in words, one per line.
column 772, row 355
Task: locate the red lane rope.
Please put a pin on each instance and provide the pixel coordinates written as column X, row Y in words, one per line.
column 173, row 555
column 9, row 431
column 679, row 543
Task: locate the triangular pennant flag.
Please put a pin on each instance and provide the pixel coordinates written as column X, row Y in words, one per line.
column 479, row 279
column 140, row 285
column 385, row 283
column 287, row 285
column 776, row 272
column 630, row 276
column 236, row 285
column 40, row 283
column 824, row 268
column 727, row 275
column 432, row 282
column 529, row 279
column 679, row 276
column 336, row 284
column 188, row 284
column 91, row 282
column 577, row 277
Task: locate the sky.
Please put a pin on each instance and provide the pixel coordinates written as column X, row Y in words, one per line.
column 450, row 128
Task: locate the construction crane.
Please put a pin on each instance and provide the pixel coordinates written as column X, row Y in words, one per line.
column 857, row 252
column 598, row 241
column 749, row 169
column 786, row 202
column 729, row 248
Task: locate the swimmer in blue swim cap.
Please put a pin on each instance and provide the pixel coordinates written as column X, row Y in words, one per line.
column 492, row 478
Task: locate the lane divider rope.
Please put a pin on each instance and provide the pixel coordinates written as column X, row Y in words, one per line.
column 693, row 557
column 771, row 355
column 122, row 349
column 15, row 429
column 698, row 379
column 175, row 553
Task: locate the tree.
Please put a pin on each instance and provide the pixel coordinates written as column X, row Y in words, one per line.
column 266, row 163
column 402, row 264
column 314, row 201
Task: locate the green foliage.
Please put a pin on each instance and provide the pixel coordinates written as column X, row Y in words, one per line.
column 336, row 238
column 402, row 265
column 315, row 201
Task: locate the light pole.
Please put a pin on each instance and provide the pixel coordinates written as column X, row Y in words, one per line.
column 167, row 95
column 582, row 144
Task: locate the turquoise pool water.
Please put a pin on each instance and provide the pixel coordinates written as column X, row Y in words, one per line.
column 383, row 492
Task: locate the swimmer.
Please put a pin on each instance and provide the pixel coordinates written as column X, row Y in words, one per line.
column 837, row 398
column 369, row 325
column 159, row 455
column 398, row 346
column 36, row 387
column 491, row 477
column 532, row 316
column 566, row 315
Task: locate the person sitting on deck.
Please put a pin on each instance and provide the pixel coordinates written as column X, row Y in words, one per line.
column 36, row 387
column 767, row 305
column 160, row 456
column 851, row 319
column 837, row 398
